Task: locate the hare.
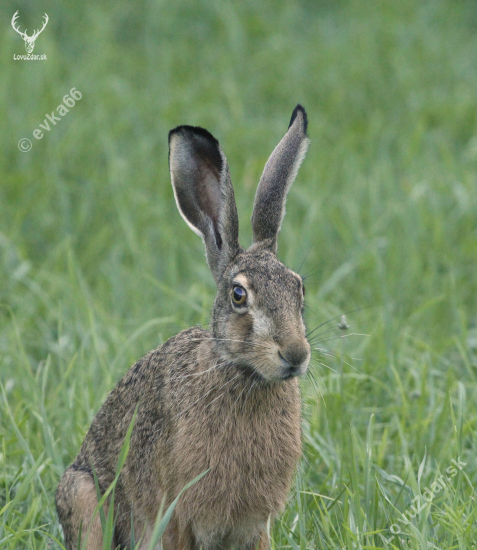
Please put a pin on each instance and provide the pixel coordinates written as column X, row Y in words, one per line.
column 226, row 399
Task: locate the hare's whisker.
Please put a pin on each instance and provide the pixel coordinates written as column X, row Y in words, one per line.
column 242, row 390
column 327, row 366
column 221, row 394
column 324, row 352
column 249, row 342
column 257, row 344
column 341, row 336
column 318, row 334
column 352, row 366
column 316, row 386
column 214, row 367
column 195, row 402
column 306, row 256
column 248, row 393
column 336, row 317
column 208, row 392
column 340, row 356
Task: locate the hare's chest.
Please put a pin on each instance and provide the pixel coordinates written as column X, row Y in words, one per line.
column 251, row 461
column 251, row 457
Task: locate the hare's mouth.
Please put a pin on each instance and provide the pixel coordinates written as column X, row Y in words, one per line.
column 270, row 360
column 291, row 370
column 278, row 365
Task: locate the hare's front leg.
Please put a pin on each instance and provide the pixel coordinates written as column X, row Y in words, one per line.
column 178, row 536
column 75, row 501
column 262, row 543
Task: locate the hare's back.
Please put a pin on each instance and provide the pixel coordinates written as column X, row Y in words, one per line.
column 147, row 385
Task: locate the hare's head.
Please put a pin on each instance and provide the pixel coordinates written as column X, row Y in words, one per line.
column 257, row 320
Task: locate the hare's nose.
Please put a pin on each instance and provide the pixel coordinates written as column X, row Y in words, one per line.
column 295, row 358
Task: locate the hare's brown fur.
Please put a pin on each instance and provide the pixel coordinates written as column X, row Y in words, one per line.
column 189, row 434
column 225, row 400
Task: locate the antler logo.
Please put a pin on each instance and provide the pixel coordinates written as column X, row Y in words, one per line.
column 29, row 40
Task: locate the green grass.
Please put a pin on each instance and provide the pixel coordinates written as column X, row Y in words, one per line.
column 97, row 267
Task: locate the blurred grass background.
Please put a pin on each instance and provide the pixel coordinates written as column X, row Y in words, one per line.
column 97, row 267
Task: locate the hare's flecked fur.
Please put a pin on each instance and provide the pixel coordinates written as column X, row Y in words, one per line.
column 225, row 400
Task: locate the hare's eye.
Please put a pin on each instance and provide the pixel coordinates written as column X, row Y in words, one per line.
column 303, row 287
column 239, row 295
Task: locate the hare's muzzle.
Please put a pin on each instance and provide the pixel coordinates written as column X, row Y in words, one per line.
column 294, row 358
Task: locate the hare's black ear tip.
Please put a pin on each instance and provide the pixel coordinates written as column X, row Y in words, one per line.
column 191, row 131
column 174, row 131
column 299, row 110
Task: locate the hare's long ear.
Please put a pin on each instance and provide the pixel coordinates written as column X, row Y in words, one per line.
column 277, row 177
column 204, row 193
